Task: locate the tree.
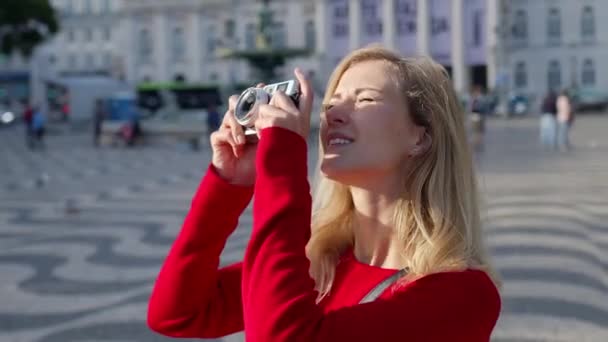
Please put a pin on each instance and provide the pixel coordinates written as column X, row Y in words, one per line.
column 24, row 24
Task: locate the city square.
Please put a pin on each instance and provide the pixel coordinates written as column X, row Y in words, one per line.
column 84, row 232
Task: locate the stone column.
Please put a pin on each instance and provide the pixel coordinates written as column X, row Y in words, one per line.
column 354, row 23
column 161, row 45
column 492, row 39
column 423, row 28
column 459, row 68
column 389, row 27
column 321, row 33
column 128, row 42
column 194, row 47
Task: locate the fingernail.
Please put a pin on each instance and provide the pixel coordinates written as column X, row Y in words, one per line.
column 240, row 140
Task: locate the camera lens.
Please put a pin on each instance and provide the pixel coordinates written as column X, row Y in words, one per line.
column 248, row 102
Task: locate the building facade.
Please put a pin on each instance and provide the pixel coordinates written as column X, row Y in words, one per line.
column 556, row 44
column 521, row 46
column 171, row 40
column 89, row 40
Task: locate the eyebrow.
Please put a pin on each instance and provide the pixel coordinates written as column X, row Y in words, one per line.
column 359, row 91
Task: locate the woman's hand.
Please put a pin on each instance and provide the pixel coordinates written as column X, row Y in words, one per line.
column 233, row 159
column 282, row 112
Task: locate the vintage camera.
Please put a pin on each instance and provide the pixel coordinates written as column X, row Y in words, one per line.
column 245, row 110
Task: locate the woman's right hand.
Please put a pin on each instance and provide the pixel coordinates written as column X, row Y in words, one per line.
column 233, row 158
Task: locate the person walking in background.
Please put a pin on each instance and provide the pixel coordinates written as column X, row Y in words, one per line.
column 38, row 126
column 28, row 114
column 213, row 119
column 564, row 120
column 98, row 117
column 477, row 110
column 548, row 122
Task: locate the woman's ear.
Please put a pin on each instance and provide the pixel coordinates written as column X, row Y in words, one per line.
column 422, row 145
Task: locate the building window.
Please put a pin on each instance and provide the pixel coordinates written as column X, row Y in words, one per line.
column 211, row 40
column 554, row 27
column 69, row 7
column 477, row 28
column 72, row 62
column 278, row 36
column 88, row 35
column 107, row 33
column 554, row 76
column 405, row 17
column 70, row 35
column 107, row 60
column 229, row 28
column 106, row 6
column 369, row 11
column 520, row 26
column 145, row 46
column 587, row 24
column 178, row 48
column 311, row 35
column 521, row 77
column 588, row 74
column 88, row 6
column 89, row 62
column 250, row 36
column 340, row 21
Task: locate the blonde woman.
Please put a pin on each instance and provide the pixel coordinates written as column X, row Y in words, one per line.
column 395, row 251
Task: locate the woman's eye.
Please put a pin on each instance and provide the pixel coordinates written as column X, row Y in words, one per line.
column 366, row 99
column 327, row 106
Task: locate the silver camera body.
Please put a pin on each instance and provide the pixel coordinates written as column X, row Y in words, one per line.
column 246, row 108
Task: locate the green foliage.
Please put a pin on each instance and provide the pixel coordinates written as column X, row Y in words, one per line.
column 24, row 24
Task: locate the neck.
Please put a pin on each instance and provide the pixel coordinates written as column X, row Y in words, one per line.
column 375, row 236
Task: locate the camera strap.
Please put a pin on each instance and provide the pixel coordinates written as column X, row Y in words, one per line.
column 381, row 287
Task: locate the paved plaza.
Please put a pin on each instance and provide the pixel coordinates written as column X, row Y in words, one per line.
column 83, row 232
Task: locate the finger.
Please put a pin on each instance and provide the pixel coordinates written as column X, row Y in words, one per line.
column 232, row 100
column 270, row 112
column 281, row 100
column 224, row 137
column 260, row 85
column 306, row 92
column 230, row 123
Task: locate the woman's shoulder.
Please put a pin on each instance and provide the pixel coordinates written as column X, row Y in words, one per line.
column 468, row 284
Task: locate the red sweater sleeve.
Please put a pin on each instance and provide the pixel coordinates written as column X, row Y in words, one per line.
column 191, row 297
column 278, row 293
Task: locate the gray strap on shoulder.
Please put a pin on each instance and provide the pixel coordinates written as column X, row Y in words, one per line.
column 385, row 284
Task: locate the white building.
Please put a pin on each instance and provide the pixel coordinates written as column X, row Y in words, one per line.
column 556, row 44
column 523, row 45
column 184, row 39
column 88, row 42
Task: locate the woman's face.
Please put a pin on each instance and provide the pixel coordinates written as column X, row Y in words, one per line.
column 366, row 130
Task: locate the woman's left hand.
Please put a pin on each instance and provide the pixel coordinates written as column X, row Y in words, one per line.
column 282, row 112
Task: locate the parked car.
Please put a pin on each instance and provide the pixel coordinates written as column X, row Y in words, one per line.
column 589, row 99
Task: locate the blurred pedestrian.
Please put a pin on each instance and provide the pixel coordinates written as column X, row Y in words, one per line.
column 28, row 114
column 478, row 112
column 213, row 119
column 38, row 127
column 564, row 120
column 98, row 117
column 548, row 121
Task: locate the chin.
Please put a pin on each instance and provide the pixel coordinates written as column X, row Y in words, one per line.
column 338, row 173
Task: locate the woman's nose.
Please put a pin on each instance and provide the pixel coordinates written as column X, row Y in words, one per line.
column 338, row 114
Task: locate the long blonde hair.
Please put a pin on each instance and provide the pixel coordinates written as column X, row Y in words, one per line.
column 438, row 223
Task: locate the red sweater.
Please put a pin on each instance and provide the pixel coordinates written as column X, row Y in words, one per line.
column 270, row 294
